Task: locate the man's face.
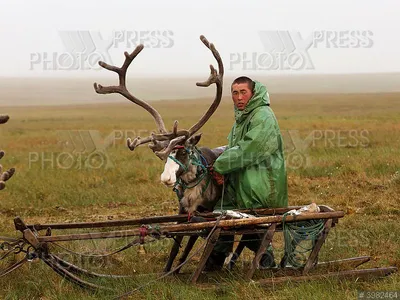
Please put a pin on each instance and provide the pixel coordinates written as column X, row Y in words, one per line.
column 241, row 95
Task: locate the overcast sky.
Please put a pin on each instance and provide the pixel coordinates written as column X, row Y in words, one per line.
column 40, row 38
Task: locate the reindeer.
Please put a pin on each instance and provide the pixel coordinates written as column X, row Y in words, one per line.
column 6, row 175
column 187, row 167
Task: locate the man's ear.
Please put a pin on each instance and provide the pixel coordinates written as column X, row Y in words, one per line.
column 194, row 139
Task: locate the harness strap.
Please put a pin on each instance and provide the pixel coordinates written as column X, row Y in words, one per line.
column 202, row 163
column 178, row 162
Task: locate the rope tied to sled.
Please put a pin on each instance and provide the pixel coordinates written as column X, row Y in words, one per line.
column 300, row 238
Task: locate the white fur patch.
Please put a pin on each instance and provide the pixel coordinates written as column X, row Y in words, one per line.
column 168, row 176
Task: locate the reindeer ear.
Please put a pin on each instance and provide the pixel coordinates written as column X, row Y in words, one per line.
column 194, row 139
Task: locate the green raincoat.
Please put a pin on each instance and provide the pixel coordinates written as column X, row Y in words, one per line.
column 254, row 161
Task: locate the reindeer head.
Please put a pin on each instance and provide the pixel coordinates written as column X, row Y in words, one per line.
column 179, row 162
column 175, row 146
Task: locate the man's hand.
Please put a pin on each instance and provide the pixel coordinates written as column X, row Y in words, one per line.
column 219, row 178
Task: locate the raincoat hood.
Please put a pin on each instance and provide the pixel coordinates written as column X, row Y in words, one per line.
column 260, row 98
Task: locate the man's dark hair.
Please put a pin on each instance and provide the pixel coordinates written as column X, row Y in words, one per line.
column 243, row 79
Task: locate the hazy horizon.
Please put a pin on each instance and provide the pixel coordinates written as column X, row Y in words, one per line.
column 51, row 50
column 72, row 91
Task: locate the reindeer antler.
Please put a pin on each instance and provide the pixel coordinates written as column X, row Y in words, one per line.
column 163, row 142
column 216, row 78
column 121, row 88
column 4, row 119
column 6, row 175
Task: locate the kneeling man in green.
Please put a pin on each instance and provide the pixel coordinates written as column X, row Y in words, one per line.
column 252, row 166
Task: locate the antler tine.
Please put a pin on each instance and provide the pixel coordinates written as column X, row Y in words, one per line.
column 158, row 145
column 137, row 142
column 158, row 141
column 155, row 138
column 213, row 71
column 175, row 128
column 164, row 153
column 173, row 134
column 120, row 71
column 4, row 119
column 214, row 77
column 5, row 176
column 121, row 88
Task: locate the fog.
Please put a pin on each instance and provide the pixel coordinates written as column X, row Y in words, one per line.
column 40, row 37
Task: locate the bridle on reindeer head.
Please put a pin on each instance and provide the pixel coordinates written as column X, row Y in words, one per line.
column 185, row 168
column 175, row 146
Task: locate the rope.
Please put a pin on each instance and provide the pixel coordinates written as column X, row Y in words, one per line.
column 177, row 267
column 133, row 243
column 185, row 169
column 295, row 234
column 222, row 195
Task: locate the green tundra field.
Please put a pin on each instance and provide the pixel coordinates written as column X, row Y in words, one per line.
column 72, row 165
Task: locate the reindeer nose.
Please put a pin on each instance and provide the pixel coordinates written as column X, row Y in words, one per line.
column 167, row 180
column 169, row 183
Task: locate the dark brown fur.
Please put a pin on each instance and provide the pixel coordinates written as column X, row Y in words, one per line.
column 193, row 199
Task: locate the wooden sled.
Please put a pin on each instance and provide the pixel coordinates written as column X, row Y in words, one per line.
column 36, row 239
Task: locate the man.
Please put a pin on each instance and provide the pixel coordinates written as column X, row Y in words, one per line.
column 253, row 164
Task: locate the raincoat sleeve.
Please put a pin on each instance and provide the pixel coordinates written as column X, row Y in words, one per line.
column 258, row 144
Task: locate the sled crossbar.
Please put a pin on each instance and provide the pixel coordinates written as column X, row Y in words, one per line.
column 167, row 229
column 147, row 220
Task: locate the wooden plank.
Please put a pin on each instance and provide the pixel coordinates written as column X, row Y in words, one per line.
column 148, row 220
column 326, row 208
column 341, row 264
column 266, row 240
column 19, row 224
column 311, row 261
column 223, row 232
column 166, row 229
column 351, row 274
column 31, row 238
column 206, row 254
column 116, row 223
column 334, row 265
column 356, row 274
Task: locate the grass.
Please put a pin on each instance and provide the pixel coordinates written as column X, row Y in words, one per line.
column 342, row 151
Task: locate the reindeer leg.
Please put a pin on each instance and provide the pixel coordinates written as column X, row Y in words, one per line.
column 190, row 243
column 173, row 253
column 236, row 254
column 175, row 247
column 185, row 254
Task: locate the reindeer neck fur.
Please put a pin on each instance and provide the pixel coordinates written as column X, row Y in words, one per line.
column 199, row 194
column 191, row 174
